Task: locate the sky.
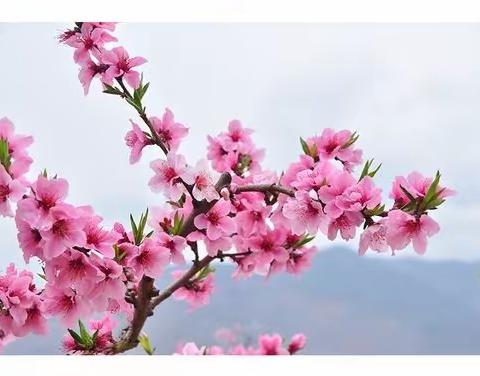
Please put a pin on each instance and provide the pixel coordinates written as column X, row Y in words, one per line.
column 412, row 91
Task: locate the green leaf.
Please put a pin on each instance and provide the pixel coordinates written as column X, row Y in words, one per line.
column 111, row 90
column 204, row 272
column 177, row 224
column 5, row 158
column 374, row 172
column 432, row 193
column 145, row 343
column 305, row 147
column 87, row 339
column 94, row 338
column 376, row 211
column 143, row 222
column 78, row 340
column 305, row 239
column 144, row 90
column 353, row 138
column 365, row 169
column 134, row 104
column 134, row 230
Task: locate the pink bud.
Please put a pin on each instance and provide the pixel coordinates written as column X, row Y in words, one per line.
column 225, row 193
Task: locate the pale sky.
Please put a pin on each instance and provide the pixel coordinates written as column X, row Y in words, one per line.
column 411, row 91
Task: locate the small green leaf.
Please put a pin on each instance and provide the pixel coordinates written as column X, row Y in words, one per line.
column 353, row 138
column 432, row 193
column 374, row 172
column 144, row 90
column 145, row 343
column 108, row 89
column 365, row 169
column 94, row 338
column 177, row 224
column 78, row 340
column 204, row 272
column 305, row 147
column 305, row 239
column 5, row 158
column 87, row 339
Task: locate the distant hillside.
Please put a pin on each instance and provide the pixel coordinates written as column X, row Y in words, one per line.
column 345, row 305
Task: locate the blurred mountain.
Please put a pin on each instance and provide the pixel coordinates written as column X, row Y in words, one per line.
column 345, row 304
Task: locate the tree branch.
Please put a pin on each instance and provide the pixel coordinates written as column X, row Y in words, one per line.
column 144, row 304
column 265, row 188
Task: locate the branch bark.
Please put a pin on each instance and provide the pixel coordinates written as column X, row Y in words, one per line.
column 266, row 188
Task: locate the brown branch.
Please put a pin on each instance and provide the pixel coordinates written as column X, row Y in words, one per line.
column 265, row 188
column 144, row 304
column 142, row 311
column 144, row 117
column 165, row 294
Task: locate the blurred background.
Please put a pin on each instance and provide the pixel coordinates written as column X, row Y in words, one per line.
column 412, row 92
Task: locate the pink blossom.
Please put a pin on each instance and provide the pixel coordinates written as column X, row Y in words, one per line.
column 175, row 244
column 203, row 182
column 237, row 136
column 65, row 230
column 168, row 131
column 168, row 174
column 88, row 70
column 103, row 328
column 346, row 224
column 47, row 193
column 315, row 178
column 403, row 228
column 331, row 194
column 99, row 239
column 73, row 269
column 306, row 163
column 150, row 259
column 304, row 213
column 196, row 292
column 374, row 237
column 222, row 160
column 269, row 246
column 66, row 303
column 20, row 304
column 19, row 160
column 252, row 217
column 359, row 196
column 121, row 66
column 89, row 38
column 223, row 244
column 245, row 267
column 216, row 221
column 297, row 343
column 300, row 260
column 10, row 191
column 110, row 281
column 333, row 145
column 29, row 239
column 271, row 345
column 417, row 185
column 136, row 140
column 190, row 348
